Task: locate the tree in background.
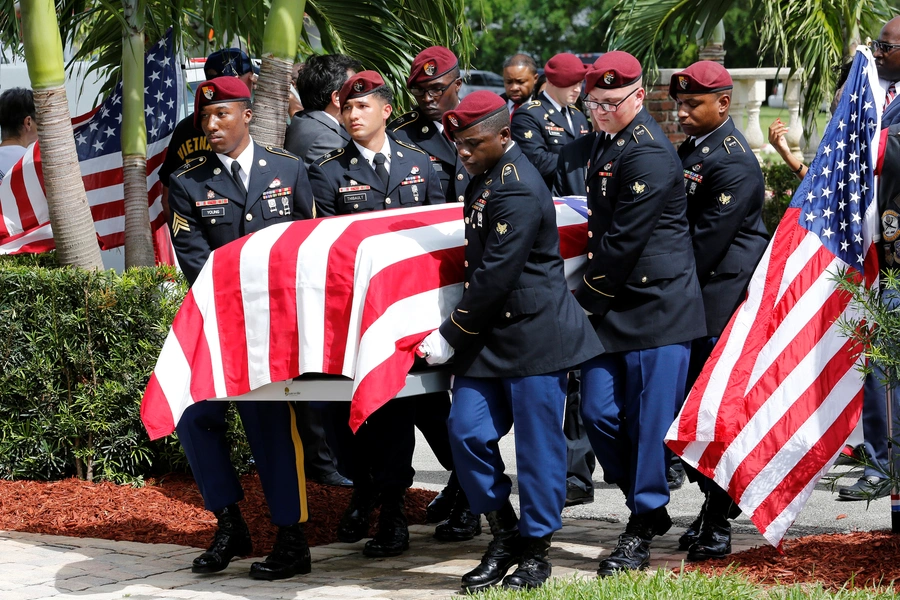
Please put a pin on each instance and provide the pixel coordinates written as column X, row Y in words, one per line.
column 70, row 214
column 384, row 35
column 815, row 36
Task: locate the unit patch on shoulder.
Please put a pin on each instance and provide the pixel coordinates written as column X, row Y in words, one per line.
column 890, row 225
column 529, row 134
column 638, row 188
column 725, row 198
column 503, row 229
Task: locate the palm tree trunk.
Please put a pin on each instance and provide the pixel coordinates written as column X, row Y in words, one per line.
column 138, row 236
column 283, row 28
column 70, row 214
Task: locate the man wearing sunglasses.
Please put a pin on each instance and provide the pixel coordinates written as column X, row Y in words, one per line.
column 641, row 290
column 886, row 50
column 434, row 81
column 543, row 126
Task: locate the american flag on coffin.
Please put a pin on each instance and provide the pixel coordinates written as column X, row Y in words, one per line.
column 350, row 295
column 25, row 226
column 781, row 393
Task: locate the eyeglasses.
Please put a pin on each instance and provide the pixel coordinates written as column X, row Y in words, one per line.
column 608, row 107
column 885, row 48
column 435, row 93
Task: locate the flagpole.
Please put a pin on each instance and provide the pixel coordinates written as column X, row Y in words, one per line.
column 893, row 459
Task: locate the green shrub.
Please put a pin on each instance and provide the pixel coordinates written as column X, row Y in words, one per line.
column 76, row 352
column 782, row 183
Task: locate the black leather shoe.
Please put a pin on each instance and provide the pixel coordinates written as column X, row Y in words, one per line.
column 534, row 569
column 867, row 488
column 504, row 550
column 714, row 540
column 392, row 538
column 333, row 478
column 462, row 524
column 675, row 477
column 289, row 557
column 232, row 539
column 354, row 524
column 632, row 552
column 576, row 495
column 691, row 534
column 439, row 509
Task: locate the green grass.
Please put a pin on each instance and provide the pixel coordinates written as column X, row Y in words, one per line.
column 665, row 585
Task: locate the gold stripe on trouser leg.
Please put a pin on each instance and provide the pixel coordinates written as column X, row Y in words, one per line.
column 301, row 472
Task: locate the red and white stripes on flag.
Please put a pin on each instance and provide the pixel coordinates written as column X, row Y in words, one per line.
column 25, row 227
column 25, row 222
column 350, row 295
column 781, row 393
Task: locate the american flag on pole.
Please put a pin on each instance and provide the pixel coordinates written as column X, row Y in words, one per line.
column 25, row 226
column 781, row 393
column 350, row 295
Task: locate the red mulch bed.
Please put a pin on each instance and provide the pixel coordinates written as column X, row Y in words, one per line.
column 853, row 560
column 166, row 511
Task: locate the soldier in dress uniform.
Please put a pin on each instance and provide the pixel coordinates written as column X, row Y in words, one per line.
column 543, row 126
column 434, row 82
column 641, row 289
column 725, row 193
column 235, row 188
column 514, row 334
column 376, row 172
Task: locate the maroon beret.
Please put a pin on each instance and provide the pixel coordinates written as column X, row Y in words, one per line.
column 431, row 63
column 703, row 77
column 565, row 69
column 361, row 84
column 474, row 108
column 613, row 70
column 215, row 91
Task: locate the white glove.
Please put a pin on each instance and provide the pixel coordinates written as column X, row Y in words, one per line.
column 435, row 349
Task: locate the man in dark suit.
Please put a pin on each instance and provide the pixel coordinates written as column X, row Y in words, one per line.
column 235, row 188
column 313, row 132
column 725, row 193
column 374, row 172
column 886, row 51
column 543, row 126
column 519, row 78
column 514, row 335
column 434, row 82
column 641, row 289
column 317, row 130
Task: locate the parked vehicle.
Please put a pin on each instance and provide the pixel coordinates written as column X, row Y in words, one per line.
column 474, row 80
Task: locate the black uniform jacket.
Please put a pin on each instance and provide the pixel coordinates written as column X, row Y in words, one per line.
column 516, row 317
column 725, row 193
column 640, row 283
column 344, row 182
column 208, row 210
column 572, row 168
column 414, row 128
column 889, row 200
column 541, row 131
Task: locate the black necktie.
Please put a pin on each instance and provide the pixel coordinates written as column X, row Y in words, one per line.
column 382, row 173
column 686, row 148
column 236, row 173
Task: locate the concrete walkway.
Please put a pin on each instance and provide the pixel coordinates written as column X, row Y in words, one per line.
column 40, row 566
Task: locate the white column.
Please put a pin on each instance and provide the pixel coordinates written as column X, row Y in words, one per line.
column 756, row 93
column 795, row 126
